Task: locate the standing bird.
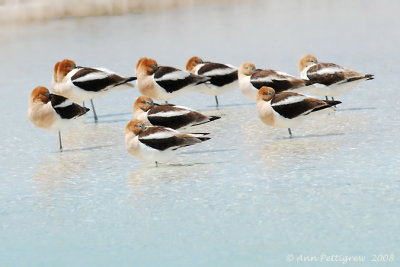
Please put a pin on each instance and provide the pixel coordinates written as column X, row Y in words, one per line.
column 165, row 83
column 329, row 79
column 53, row 112
column 81, row 84
column 223, row 77
column 252, row 79
column 168, row 115
column 156, row 143
column 289, row 109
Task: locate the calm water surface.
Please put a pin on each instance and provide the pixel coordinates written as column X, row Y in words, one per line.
column 248, row 197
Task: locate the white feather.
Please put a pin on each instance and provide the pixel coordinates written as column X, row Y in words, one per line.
column 176, row 75
column 160, row 135
column 106, row 70
column 290, row 100
column 92, row 76
column 64, row 104
column 303, row 73
column 172, row 113
column 284, row 74
column 197, row 68
column 218, row 72
column 329, row 71
column 271, row 77
column 268, row 78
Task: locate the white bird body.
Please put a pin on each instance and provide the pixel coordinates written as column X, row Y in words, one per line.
column 164, row 82
column 329, row 79
column 289, row 109
column 68, row 89
column 168, row 115
column 156, row 143
column 53, row 112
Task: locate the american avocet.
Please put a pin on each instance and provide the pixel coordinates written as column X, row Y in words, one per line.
column 329, row 80
column 165, row 83
column 156, row 143
column 168, row 115
column 53, row 112
column 223, row 77
column 289, row 109
column 81, row 83
column 252, row 79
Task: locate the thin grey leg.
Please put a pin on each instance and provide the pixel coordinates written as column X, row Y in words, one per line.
column 216, row 101
column 59, row 140
column 290, row 132
column 94, row 111
column 326, row 98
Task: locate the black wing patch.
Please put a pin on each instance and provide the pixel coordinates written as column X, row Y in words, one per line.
column 163, row 71
column 212, row 66
column 96, row 85
column 174, row 142
column 171, row 122
column 325, row 78
column 292, row 110
column 65, row 108
column 156, row 143
column 171, row 142
column 219, row 80
column 277, row 85
column 171, row 86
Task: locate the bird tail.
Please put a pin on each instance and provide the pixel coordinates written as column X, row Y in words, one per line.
column 366, row 76
column 82, row 110
column 330, row 104
column 369, row 76
column 213, row 118
column 126, row 83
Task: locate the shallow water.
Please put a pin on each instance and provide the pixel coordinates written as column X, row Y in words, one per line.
column 250, row 196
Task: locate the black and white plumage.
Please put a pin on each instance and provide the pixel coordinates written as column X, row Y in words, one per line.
column 65, row 108
column 168, row 115
column 223, row 77
column 81, row 83
column 164, row 82
column 252, row 79
column 53, row 112
column 157, row 143
column 289, row 109
column 97, row 80
column 329, row 79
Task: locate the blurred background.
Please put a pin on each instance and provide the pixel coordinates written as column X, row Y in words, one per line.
column 250, row 196
column 39, row 10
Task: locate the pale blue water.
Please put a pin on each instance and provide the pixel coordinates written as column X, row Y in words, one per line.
column 248, row 197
